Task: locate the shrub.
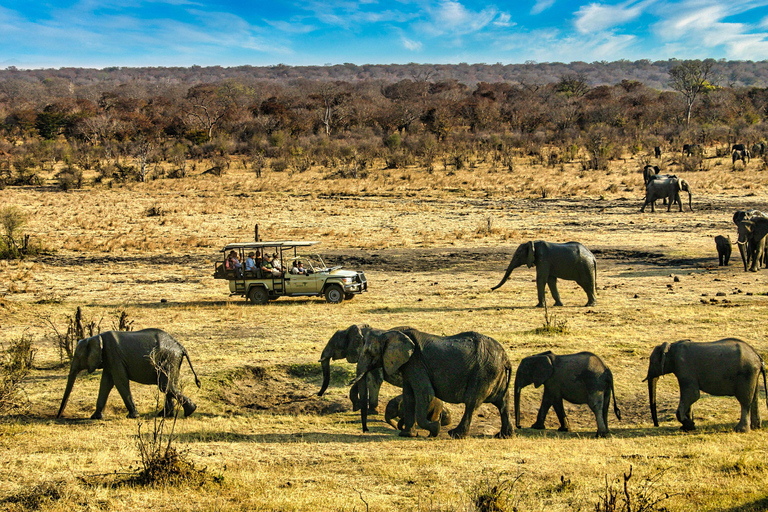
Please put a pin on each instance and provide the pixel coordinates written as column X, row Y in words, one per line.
column 16, row 363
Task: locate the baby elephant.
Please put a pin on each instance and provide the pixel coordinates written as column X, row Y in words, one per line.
column 436, row 410
column 578, row 378
column 723, row 244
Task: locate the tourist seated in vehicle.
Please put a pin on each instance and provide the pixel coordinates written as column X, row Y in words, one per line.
column 233, row 264
column 250, row 264
column 268, row 269
column 276, row 262
column 298, row 268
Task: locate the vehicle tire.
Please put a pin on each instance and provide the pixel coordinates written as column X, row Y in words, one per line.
column 258, row 295
column 334, row 294
column 349, row 296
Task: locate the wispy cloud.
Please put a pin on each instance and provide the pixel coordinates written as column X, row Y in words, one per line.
column 410, row 44
column 541, row 6
column 598, row 17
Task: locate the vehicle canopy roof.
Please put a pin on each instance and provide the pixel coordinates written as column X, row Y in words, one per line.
column 261, row 245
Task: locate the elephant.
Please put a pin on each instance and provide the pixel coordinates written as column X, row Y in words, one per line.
column 436, row 411
column 751, row 242
column 723, row 244
column 727, row 367
column 746, row 250
column 577, row 378
column 149, row 356
column 571, row 261
column 692, row 149
column 657, row 151
column 668, row 186
column 467, row 368
column 738, row 147
column 649, row 171
column 347, row 344
column 742, row 155
column 758, row 149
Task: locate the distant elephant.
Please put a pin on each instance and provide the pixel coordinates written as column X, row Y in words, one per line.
column 149, row 356
column 436, row 412
column 571, row 261
column 649, row 171
column 348, row 344
column 727, row 367
column 692, row 149
column 738, row 147
column 577, row 378
column 758, row 149
column 467, row 368
column 723, row 244
column 751, row 242
column 742, row 155
column 668, row 186
column 657, row 151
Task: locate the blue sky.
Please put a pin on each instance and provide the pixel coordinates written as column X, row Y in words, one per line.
column 88, row 33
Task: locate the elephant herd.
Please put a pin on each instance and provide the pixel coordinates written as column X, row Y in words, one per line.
column 752, row 229
column 664, row 186
column 470, row 368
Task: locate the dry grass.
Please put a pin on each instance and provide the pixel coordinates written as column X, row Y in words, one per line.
column 432, row 255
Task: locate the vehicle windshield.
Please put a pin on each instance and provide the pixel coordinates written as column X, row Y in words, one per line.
column 312, row 262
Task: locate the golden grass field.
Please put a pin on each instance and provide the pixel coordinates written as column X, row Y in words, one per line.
column 432, row 245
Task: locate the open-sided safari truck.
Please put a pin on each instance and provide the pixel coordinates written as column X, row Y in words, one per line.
column 260, row 286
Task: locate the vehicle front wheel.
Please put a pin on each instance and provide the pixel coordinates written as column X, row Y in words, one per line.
column 258, row 295
column 334, row 294
column 349, row 296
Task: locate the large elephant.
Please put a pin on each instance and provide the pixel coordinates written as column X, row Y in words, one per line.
column 752, row 240
column 436, row 412
column 758, row 149
column 149, row 356
column 571, row 261
column 727, row 367
column 348, row 344
column 746, row 250
column 692, row 149
column 577, row 378
column 669, row 187
column 742, row 155
column 467, row 368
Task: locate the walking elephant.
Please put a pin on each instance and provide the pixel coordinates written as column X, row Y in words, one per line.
column 577, row 378
column 436, row 412
column 727, row 367
column 570, row 261
column 742, row 155
column 467, row 368
column 149, row 356
column 669, row 187
column 752, row 239
column 758, row 149
column 723, row 245
column 649, row 172
column 692, row 149
column 348, row 344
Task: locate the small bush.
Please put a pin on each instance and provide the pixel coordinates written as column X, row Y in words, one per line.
column 16, row 363
column 494, row 496
column 644, row 499
column 551, row 324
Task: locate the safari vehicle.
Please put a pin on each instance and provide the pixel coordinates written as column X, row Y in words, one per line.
column 334, row 283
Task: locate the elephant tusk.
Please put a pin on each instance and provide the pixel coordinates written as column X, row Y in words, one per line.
column 741, row 243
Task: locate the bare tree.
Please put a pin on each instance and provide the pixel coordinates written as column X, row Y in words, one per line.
column 691, row 78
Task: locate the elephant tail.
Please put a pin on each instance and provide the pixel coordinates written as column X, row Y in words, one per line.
column 765, row 384
column 616, row 410
column 197, row 381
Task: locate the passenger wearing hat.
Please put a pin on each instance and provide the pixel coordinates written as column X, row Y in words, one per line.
column 267, row 268
column 276, row 262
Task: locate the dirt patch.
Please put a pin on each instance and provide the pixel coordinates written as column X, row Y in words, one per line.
column 278, row 390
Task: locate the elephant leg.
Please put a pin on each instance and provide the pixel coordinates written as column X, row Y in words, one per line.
column 507, row 430
column 423, row 400
column 552, row 283
column 754, row 412
column 561, row 417
column 597, row 403
column 541, row 417
column 462, row 429
column 746, row 394
column 375, row 380
column 587, row 284
column 123, row 387
column 172, row 392
column 688, row 395
column 409, row 413
column 105, row 386
column 541, row 282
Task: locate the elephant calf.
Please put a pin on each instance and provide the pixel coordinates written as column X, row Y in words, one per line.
column 723, row 244
column 577, row 378
column 437, row 411
column 727, row 367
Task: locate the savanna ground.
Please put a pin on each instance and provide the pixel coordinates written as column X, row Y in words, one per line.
column 432, row 245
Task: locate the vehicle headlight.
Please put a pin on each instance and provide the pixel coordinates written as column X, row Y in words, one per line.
column 348, row 280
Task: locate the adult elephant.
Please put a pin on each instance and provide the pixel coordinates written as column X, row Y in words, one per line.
column 758, row 149
column 149, row 356
column 751, row 242
column 727, row 367
column 742, row 155
column 746, row 249
column 669, row 187
column 579, row 378
column 649, row 172
column 348, row 344
column 692, row 149
column 571, row 261
column 738, row 147
column 467, row 368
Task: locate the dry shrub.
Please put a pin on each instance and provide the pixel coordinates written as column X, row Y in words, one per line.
column 494, row 495
column 16, row 364
column 551, row 324
column 33, row 498
column 76, row 329
column 646, row 498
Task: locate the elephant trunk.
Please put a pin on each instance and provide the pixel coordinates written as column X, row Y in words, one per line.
column 652, row 399
column 517, row 406
column 67, row 391
column 690, row 203
column 744, row 253
column 512, row 266
column 326, row 364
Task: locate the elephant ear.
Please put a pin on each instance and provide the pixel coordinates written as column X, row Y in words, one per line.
column 398, row 351
column 541, row 369
column 664, row 351
column 531, row 255
column 93, row 357
column 355, row 342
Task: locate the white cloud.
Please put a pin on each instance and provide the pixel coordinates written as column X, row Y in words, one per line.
column 410, row 44
column 503, row 20
column 598, row 17
column 451, row 17
column 541, row 6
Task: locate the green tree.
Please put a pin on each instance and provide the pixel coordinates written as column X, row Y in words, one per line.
column 691, row 78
